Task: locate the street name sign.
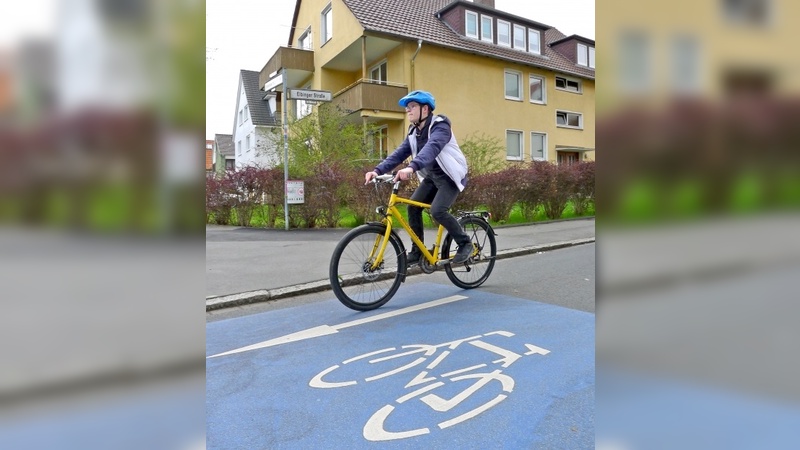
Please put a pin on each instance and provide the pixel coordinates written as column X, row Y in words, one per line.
column 307, row 94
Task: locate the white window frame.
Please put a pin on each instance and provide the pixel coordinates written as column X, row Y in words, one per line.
column 308, row 38
column 519, row 29
column 381, row 72
column 585, row 55
column 326, row 24
column 241, row 116
column 566, row 84
column 538, row 41
column 520, row 134
column 508, row 24
column 519, row 84
column 566, row 117
column 541, row 78
column 239, row 148
column 301, row 108
column 466, row 25
column 490, row 38
column 246, row 113
column 249, row 143
column 544, row 145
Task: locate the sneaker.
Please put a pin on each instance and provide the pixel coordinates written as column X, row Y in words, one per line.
column 413, row 257
column 463, row 254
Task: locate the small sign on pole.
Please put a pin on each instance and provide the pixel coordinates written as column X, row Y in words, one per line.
column 295, row 193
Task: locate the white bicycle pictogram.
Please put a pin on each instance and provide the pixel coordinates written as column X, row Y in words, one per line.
column 399, row 360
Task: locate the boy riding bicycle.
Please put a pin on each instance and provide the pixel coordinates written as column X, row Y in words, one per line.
column 440, row 166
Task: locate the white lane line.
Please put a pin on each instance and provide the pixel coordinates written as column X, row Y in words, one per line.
column 324, row 330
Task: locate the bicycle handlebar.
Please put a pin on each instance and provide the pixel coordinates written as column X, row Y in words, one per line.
column 385, row 178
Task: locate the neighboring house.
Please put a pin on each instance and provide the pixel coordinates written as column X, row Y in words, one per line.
column 210, row 157
column 253, row 123
column 224, row 153
column 507, row 77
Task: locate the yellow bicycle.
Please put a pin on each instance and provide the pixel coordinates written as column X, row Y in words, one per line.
column 369, row 263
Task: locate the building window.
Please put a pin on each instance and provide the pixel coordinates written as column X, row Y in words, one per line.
column 747, row 12
column 513, row 82
column 568, row 84
column 514, row 149
column 302, row 108
column 241, row 116
column 247, row 141
column 487, row 31
column 585, row 55
column 378, row 73
column 471, row 25
column 503, row 33
column 519, row 37
column 239, row 148
column 305, row 42
column 685, row 68
column 538, row 146
column 635, row 63
column 567, row 119
column 380, row 142
column 533, row 41
column 537, row 89
column 246, row 113
column 229, row 164
column 327, row 24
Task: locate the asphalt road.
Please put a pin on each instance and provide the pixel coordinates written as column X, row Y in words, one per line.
column 535, row 314
column 564, row 277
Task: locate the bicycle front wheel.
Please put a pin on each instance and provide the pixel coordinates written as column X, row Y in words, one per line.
column 477, row 269
column 354, row 281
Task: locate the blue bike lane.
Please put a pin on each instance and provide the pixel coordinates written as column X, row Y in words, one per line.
column 436, row 367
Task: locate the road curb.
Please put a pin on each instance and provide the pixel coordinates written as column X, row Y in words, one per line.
column 263, row 295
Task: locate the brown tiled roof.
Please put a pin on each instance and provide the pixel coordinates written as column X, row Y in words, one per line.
column 417, row 19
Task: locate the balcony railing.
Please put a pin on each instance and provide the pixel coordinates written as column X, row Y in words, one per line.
column 370, row 95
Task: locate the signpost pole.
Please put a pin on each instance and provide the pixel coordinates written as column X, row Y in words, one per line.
column 285, row 152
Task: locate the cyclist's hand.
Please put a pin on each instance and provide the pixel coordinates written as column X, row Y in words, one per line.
column 403, row 174
column 369, row 176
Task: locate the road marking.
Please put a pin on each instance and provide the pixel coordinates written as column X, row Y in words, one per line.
column 324, row 330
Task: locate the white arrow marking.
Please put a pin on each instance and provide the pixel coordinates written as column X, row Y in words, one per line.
column 324, row 330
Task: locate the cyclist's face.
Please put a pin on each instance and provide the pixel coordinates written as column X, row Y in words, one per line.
column 413, row 109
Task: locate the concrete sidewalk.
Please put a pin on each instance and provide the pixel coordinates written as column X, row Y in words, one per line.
column 248, row 265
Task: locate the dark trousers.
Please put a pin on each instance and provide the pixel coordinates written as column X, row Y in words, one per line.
column 440, row 193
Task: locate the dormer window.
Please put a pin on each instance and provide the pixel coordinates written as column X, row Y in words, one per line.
column 471, row 24
column 519, row 37
column 534, row 41
column 585, row 55
column 487, row 31
column 503, row 33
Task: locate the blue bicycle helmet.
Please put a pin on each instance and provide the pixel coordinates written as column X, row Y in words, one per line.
column 421, row 97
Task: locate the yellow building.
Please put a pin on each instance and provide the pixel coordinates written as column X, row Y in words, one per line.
column 492, row 73
column 657, row 52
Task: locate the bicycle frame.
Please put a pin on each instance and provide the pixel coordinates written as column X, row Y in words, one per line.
column 392, row 212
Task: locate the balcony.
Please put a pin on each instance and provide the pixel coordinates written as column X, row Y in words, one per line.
column 369, row 99
column 299, row 64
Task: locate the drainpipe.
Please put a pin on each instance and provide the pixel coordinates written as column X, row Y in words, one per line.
column 419, row 46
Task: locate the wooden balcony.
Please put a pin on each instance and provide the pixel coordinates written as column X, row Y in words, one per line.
column 366, row 96
column 298, row 64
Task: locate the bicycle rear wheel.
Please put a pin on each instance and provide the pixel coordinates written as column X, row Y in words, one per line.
column 477, row 269
column 355, row 283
